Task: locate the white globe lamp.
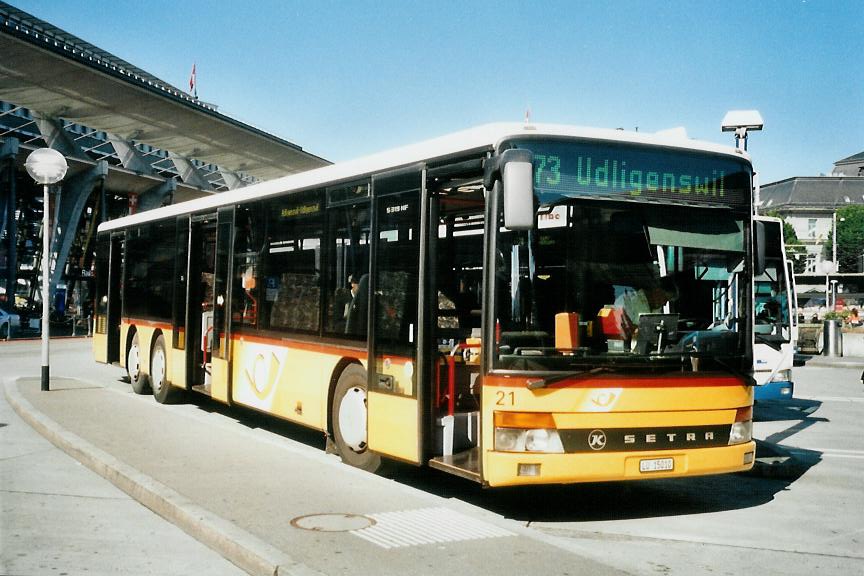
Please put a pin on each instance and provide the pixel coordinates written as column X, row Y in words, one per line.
column 46, row 166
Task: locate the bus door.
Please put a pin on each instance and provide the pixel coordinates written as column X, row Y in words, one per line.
column 199, row 309
column 177, row 373
column 454, row 266
column 221, row 341
column 115, row 300
column 395, row 396
column 208, row 356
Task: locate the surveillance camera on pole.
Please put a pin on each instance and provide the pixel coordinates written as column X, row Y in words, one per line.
column 46, row 166
column 740, row 122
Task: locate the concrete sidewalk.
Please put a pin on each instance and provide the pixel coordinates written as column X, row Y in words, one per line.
column 272, row 505
column 831, row 361
column 58, row 517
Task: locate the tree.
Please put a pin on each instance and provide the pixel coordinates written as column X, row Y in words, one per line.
column 850, row 238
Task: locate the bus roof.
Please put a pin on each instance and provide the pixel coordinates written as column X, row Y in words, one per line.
column 763, row 218
column 485, row 137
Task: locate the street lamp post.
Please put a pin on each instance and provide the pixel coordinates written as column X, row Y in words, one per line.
column 741, row 122
column 46, row 166
column 834, row 241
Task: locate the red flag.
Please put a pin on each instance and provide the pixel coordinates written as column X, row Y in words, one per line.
column 192, row 82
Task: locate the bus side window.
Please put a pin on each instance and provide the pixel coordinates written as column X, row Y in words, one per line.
column 340, row 308
column 293, row 252
column 348, row 257
column 459, row 267
column 248, row 240
column 356, row 321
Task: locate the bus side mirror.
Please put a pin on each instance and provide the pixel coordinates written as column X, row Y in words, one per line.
column 515, row 168
column 758, row 248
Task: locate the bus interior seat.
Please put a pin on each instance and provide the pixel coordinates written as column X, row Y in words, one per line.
column 297, row 302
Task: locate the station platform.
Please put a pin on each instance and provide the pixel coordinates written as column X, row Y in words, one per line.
column 830, row 361
column 270, row 504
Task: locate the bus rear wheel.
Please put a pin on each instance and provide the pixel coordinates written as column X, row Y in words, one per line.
column 163, row 391
column 349, row 420
column 133, row 368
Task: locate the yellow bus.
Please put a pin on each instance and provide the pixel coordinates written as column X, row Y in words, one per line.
column 513, row 304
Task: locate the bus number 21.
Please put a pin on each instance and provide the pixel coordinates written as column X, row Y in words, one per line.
column 505, row 398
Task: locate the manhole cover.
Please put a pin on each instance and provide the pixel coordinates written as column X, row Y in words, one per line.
column 332, row 522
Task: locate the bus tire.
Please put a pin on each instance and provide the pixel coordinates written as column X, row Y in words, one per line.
column 349, row 420
column 163, row 391
column 133, row 367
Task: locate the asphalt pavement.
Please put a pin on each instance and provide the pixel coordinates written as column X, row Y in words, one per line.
column 266, row 496
column 269, row 504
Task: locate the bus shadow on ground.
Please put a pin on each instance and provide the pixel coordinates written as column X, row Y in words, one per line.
column 568, row 503
column 781, row 410
column 801, row 414
column 254, row 420
column 615, row 500
column 775, row 470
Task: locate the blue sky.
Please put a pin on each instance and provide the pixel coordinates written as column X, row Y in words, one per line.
column 344, row 79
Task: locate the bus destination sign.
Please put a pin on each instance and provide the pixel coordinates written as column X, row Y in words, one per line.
column 563, row 168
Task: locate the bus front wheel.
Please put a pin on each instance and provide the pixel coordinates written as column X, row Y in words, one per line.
column 349, row 420
column 133, row 367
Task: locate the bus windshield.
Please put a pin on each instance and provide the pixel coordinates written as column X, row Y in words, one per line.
column 637, row 259
column 601, row 283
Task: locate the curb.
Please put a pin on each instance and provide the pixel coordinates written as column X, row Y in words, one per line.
column 835, row 362
column 235, row 544
column 39, row 338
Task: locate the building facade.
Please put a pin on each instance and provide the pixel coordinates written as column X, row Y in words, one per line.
column 810, row 204
column 851, row 166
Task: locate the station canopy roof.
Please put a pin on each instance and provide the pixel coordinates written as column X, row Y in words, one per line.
column 59, row 75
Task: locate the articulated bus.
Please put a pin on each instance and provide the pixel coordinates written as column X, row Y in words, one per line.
column 776, row 322
column 513, row 304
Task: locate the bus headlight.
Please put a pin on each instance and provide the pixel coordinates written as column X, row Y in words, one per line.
column 532, row 440
column 742, row 430
column 537, row 440
column 509, row 440
column 782, row 376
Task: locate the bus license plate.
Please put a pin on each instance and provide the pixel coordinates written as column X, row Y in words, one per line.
column 656, row 465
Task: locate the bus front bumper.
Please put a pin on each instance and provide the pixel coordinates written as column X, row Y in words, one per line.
column 779, row 390
column 510, row 469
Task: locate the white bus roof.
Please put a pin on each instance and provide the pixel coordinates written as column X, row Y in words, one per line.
column 763, row 218
column 487, row 136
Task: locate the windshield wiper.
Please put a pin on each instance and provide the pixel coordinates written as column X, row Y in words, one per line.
column 544, row 382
